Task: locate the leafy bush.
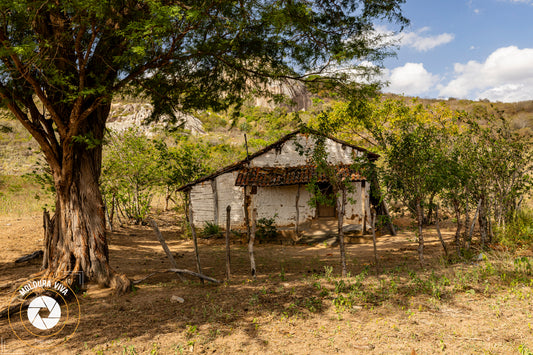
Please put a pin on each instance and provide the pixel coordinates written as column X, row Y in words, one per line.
column 180, row 163
column 519, row 232
column 130, row 173
column 266, row 229
column 211, row 230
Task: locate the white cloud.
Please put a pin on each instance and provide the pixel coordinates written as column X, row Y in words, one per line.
column 422, row 43
column 506, row 75
column 414, row 39
column 521, row 1
column 410, row 79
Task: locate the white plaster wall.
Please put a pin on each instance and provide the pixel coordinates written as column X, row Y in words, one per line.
column 340, row 154
column 202, row 203
column 268, row 201
column 281, row 200
column 354, row 210
column 271, row 200
column 289, row 155
column 229, row 194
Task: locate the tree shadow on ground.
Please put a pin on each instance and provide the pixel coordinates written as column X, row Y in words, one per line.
column 290, row 283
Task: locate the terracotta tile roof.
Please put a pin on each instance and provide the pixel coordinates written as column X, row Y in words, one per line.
column 278, row 176
column 280, row 142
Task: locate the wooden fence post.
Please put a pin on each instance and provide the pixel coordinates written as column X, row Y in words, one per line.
column 374, row 241
column 251, row 244
column 194, row 239
column 340, row 222
column 215, row 200
column 296, row 227
column 228, row 227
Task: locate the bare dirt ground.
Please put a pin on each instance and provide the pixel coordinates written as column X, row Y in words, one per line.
column 297, row 305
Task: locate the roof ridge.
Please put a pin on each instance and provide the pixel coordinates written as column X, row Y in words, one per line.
column 237, row 165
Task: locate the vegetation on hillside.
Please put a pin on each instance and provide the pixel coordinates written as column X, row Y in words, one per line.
column 460, row 141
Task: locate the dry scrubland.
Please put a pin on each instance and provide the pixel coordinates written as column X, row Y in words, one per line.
column 298, row 304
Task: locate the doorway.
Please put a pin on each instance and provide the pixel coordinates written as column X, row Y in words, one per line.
column 325, row 210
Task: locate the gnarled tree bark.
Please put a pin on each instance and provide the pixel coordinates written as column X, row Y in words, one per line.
column 76, row 243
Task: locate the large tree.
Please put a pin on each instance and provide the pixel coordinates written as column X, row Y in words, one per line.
column 62, row 61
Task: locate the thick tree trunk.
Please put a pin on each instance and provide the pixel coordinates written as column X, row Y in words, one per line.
column 76, row 244
column 77, row 248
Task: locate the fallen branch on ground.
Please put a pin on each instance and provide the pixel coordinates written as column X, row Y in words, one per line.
column 13, row 283
column 13, row 309
column 192, row 273
column 159, row 236
column 179, row 271
column 34, row 255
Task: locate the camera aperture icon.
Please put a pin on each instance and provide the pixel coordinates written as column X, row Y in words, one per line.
column 53, row 308
column 52, row 316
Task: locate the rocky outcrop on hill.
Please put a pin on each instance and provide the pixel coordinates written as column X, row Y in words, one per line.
column 296, row 96
column 126, row 115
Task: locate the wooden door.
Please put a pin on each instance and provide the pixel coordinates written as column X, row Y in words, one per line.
column 326, row 210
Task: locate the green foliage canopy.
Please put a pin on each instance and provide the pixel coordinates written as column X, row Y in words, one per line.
column 73, row 56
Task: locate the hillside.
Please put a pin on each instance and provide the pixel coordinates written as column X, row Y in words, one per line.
column 19, row 153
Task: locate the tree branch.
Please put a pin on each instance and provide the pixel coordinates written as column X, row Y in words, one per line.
column 21, row 68
column 37, row 133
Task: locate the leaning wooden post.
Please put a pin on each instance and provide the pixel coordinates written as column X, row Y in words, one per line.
column 228, row 226
column 251, row 244
column 194, row 239
column 374, row 241
column 163, row 243
column 438, row 230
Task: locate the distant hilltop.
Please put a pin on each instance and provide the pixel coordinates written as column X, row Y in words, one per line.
column 124, row 115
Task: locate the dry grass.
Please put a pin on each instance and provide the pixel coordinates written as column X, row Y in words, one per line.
column 298, row 304
column 21, row 196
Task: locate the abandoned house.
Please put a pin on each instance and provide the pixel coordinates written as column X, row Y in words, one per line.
column 274, row 181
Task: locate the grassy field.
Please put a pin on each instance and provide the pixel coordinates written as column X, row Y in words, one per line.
column 22, row 196
column 298, row 303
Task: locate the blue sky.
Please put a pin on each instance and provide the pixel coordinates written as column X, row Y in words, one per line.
column 472, row 49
